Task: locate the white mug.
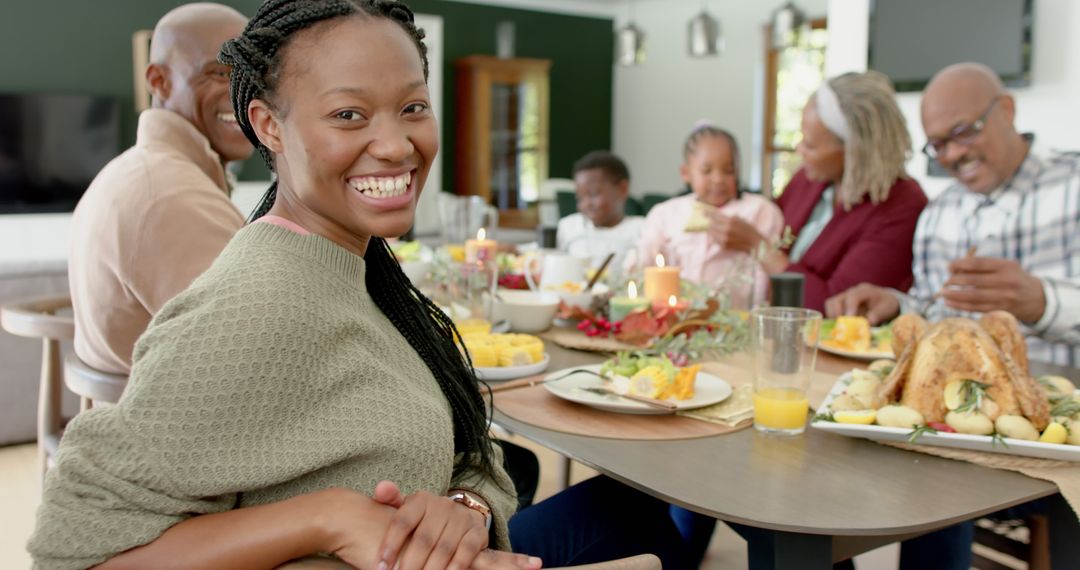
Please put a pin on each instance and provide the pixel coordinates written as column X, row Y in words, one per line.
column 555, row 269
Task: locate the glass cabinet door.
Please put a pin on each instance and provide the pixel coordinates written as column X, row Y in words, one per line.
column 503, row 153
column 515, row 145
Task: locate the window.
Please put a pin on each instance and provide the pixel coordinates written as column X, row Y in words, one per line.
column 791, row 76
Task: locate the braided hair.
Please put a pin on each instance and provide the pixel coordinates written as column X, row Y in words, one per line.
column 705, row 129
column 256, row 62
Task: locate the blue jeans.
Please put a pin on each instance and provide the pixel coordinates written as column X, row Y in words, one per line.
column 597, row 520
column 696, row 530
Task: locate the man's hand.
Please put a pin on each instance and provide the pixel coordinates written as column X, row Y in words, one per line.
column 877, row 304
column 983, row 284
column 733, row 233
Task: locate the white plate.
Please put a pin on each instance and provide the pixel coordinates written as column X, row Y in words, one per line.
column 511, row 372
column 708, row 390
column 868, row 356
column 943, row 439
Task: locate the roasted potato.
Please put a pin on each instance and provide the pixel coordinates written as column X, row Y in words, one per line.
column 847, row 402
column 863, row 388
column 1016, row 427
column 1057, row 386
column 1074, row 432
column 975, row 423
column 899, row 416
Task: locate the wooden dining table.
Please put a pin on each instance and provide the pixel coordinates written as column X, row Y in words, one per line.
column 817, row 498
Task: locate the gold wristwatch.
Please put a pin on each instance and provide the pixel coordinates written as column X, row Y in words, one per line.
column 467, row 499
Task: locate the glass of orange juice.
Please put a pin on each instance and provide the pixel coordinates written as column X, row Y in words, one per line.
column 783, row 348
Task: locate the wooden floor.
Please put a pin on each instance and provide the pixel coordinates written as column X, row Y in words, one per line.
column 19, row 493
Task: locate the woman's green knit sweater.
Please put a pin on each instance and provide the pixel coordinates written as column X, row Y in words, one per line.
column 273, row 375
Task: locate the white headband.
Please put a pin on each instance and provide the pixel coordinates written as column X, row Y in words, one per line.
column 828, row 108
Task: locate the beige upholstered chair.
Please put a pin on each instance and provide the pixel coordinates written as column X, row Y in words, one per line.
column 642, row 562
column 37, row 318
column 91, row 384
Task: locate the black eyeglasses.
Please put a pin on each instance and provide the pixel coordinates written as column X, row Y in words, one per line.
column 962, row 135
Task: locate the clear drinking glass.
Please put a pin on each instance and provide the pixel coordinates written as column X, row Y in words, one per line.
column 783, row 349
column 462, row 216
column 477, row 287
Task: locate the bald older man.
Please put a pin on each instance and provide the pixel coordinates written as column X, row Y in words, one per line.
column 157, row 215
column 1004, row 236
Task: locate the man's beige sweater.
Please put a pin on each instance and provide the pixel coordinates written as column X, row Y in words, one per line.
column 153, row 219
column 273, row 375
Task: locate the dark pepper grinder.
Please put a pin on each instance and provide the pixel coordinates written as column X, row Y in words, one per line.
column 786, row 290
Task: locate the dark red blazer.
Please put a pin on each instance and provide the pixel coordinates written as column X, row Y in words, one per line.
column 869, row 244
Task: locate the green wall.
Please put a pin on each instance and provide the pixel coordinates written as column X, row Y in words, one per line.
column 85, row 46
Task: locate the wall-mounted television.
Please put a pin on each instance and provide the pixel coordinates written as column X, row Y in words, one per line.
column 52, row 146
column 911, row 40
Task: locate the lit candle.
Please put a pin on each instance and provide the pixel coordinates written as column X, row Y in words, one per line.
column 661, row 282
column 619, row 307
column 480, row 249
column 672, row 305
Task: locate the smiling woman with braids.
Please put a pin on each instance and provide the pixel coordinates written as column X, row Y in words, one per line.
column 301, row 397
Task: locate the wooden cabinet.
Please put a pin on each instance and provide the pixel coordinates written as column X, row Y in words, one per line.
column 502, row 134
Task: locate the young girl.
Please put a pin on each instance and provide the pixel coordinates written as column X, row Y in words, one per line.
column 710, row 232
column 301, row 396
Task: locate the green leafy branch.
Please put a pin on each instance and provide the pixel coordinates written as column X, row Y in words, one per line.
column 973, row 393
column 1066, row 408
column 918, row 432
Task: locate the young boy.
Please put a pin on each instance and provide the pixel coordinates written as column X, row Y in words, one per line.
column 599, row 227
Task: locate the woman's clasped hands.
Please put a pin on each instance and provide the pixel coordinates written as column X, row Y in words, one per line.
column 421, row 531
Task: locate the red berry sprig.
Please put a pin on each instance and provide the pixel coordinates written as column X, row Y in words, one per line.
column 599, row 327
column 513, row 281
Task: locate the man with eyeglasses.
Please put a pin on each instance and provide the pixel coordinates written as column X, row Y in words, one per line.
column 1004, row 237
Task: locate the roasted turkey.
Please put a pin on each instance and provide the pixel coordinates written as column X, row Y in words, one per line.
column 990, row 350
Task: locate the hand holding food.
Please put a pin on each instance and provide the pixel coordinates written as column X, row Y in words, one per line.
column 877, row 304
column 733, row 233
column 984, row 284
column 700, row 217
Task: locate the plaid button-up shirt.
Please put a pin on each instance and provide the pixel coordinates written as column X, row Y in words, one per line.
column 1033, row 219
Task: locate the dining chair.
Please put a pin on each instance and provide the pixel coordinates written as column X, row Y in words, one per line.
column 37, row 318
column 641, row 562
column 1025, row 539
column 91, row 384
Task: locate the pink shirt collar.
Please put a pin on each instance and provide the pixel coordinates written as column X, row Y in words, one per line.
column 287, row 224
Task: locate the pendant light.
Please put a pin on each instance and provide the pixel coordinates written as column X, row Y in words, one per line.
column 629, row 42
column 704, row 38
column 787, row 23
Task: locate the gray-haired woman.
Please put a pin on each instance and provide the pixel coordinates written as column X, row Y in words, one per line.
column 851, row 206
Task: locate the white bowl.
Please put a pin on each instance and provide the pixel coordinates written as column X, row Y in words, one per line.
column 527, row 311
column 584, row 299
column 416, row 271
